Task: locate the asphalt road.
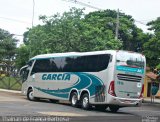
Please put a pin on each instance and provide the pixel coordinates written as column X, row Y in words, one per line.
column 14, row 105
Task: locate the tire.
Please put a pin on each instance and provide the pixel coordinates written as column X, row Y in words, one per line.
column 74, row 99
column 85, row 101
column 114, row 109
column 30, row 95
column 100, row 107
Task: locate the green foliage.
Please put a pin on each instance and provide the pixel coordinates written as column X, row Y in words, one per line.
column 79, row 32
column 152, row 46
column 152, row 51
column 158, row 66
column 22, row 56
column 75, row 31
column 155, row 25
column 7, row 47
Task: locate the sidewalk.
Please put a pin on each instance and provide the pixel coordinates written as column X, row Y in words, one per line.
column 11, row 91
column 148, row 100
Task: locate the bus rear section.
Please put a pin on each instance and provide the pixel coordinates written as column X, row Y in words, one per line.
column 127, row 87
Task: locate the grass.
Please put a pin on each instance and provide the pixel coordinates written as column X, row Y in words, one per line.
column 10, row 83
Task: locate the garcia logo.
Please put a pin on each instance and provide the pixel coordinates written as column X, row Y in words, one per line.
column 56, row 77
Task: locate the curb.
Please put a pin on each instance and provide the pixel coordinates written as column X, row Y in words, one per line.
column 149, row 102
column 10, row 91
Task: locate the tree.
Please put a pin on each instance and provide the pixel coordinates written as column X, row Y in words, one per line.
column 22, row 56
column 75, row 31
column 151, row 47
column 69, row 32
column 130, row 36
column 7, row 45
column 7, row 48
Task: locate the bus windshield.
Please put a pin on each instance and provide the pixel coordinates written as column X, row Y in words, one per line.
column 24, row 71
column 128, row 59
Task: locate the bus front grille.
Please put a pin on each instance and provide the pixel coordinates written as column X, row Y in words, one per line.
column 100, row 93
column 126, row 77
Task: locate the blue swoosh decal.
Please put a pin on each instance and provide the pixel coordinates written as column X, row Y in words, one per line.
column 85, row 81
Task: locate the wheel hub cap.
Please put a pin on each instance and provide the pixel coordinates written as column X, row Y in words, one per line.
column 85, row 101
column 74, row 100
column 31, row 96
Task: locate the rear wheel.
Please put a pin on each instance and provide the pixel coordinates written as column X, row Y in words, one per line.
column 114, row 108
column 85, row 101
column 74, row 99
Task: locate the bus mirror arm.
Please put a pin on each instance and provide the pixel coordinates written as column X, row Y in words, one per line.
column 32, row 73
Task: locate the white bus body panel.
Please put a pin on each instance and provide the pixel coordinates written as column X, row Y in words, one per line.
column 60, row 89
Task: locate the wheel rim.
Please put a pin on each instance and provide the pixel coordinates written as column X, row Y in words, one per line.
column 31, row 95
column 85, row 102
column 74, row 99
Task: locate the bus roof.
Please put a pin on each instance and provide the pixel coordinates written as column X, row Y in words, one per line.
column 72, row 54
column 76, row 54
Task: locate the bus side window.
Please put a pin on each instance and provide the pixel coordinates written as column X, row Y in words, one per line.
column 41, row 65
column 91, row 63
column 46, row 65
column 111, row 57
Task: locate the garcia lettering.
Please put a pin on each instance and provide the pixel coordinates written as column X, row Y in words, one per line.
column 56, row 77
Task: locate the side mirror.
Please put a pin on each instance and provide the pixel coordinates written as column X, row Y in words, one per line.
column 33, row 76
column 23, row 73
column 29, row 63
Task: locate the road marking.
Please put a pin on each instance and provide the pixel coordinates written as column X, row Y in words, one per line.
column 61, row 114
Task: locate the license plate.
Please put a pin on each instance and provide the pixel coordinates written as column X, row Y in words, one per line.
column 127, row 101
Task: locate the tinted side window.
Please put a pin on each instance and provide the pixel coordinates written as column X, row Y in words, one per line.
column 55, row 64
column 47, row 65
column 68, row 64
column 92, row 63
column 41, row 65
column 103, row 61
column 80, row 64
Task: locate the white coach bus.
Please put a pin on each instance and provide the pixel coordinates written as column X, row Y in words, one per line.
column 102, row 79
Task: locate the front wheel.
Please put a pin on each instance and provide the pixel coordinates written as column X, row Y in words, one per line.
column 114, row 108
column 30, row 95
column 85, row 101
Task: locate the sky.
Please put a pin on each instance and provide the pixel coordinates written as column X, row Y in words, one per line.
column 16, row 15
